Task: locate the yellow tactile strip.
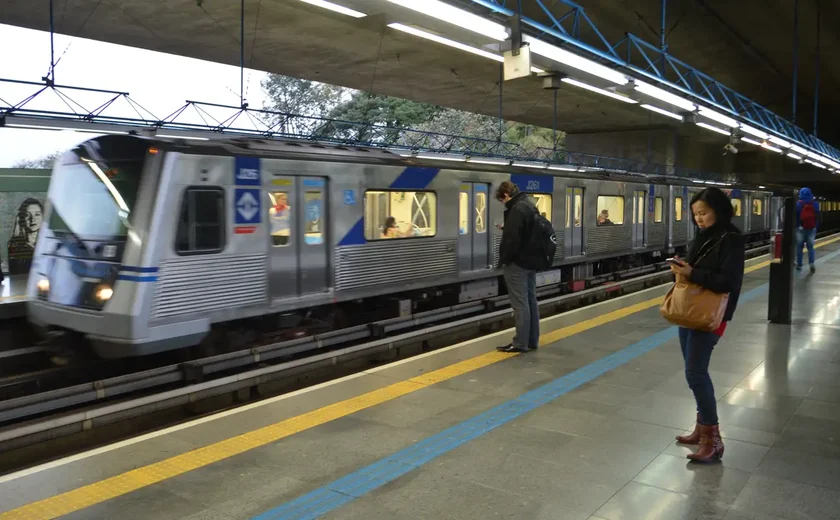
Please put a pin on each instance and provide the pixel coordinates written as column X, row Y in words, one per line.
column 124, row 483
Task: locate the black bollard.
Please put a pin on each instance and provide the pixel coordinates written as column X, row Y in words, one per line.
column 780, row 297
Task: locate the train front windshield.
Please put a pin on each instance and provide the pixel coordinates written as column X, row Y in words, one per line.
column 92, row 191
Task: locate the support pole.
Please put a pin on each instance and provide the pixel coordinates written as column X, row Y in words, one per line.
column 242, row 53
column 501, row 82
column 51, row 74
column 817, row 67
column 780, row 297
column 662, row 28
column 795, row 54
column 554, row 124
column 662, row 45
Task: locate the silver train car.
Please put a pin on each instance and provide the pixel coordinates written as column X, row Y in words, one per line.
column 152, row 244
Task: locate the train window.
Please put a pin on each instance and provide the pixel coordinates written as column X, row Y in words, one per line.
column 543, row 203
column 201, row 227
column 610, row 210
column 756, row 209
column 578, row 207
column 658, row 204
column 480, row 212
column 678, row 209
column 279, row 216
column 736, row 207
column 400, row 214
column 313, row 232
column 463, row 213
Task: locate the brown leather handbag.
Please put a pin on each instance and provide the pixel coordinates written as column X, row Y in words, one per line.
column 694, row 307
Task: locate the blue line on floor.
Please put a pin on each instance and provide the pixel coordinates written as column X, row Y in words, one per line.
column 354, row 485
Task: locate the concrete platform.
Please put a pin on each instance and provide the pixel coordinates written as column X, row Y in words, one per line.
column 582, row 429
column 12, row 299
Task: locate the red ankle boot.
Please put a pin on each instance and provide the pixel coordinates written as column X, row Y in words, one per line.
column 694, row 438
column 711, row 445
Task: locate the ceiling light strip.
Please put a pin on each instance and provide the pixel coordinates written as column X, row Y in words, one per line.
column 598, row 90
column 455, row 16
column 662, row 111
column 335, row 8
column 713, row 128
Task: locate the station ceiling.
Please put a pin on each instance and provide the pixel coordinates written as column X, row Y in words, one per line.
column 747, row 45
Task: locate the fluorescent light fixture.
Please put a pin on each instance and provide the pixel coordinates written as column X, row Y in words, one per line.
column 720, row 118
column 58, row 128
column 530, row 165
column 751, row 141
column 696, row 181
column 658, row 93
column 537, row 70
column 445, row 41
column 780, row 142
column 442, row 158
column 455, row 16
column 598, row 90
column 335, row 7
column 565, row 57
column 747, row 129
column 563, row 168
column 794, row 156
column 713, row 128
column 761, row 187
column 495, row 162
column 183, row 137
column 663, row 112
column 773, row 148
column 815, row 163
column 798, row 149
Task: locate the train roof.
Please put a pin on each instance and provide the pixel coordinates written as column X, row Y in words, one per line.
column 336, row 152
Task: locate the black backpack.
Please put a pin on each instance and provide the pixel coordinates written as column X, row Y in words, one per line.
column 542, row 244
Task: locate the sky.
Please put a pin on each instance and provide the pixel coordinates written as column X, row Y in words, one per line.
column 159, row 82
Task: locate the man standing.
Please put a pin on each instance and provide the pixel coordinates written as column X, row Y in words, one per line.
column 807, row 213
column 519, row 267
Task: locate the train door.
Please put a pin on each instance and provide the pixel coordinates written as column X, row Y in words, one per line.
column 574, row 222
column 473, row 238
column 747, row 212
column 639, row 218
column 297, row 220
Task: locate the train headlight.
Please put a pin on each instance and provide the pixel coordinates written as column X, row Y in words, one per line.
column 43, row 285
column 104, row 293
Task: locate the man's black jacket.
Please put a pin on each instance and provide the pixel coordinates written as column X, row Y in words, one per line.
column 519, row 223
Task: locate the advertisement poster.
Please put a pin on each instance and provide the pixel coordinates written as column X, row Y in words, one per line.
column 21, row 216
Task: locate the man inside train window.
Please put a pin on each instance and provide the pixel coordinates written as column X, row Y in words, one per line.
column 21, row 245
column 279, row 215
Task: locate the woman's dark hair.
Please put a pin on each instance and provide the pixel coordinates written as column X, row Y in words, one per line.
column 718, row 201
column 390, row 222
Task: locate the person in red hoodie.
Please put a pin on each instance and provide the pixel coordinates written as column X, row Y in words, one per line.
column 715, row 261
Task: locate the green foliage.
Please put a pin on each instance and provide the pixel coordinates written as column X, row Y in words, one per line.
column 351, row 112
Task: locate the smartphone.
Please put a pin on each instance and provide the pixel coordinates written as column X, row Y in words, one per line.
column 674, row 261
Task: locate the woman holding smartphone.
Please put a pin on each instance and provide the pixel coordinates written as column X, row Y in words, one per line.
column 715, row 262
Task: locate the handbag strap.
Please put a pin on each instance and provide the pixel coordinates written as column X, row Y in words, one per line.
column 714, row 246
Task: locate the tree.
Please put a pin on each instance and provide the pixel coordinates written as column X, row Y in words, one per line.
column 44, row 162
column 374, row 109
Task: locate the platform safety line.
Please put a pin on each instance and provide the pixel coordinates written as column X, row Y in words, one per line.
column 118, row 485
column 346, row 489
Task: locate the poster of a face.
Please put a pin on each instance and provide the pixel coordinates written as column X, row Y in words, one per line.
column 21, row 217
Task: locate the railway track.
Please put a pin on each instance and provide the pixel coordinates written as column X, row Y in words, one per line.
column 58, row 402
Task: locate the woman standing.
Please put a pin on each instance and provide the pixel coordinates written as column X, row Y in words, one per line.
column 716, row 263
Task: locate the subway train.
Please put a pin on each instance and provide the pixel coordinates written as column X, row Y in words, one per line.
column 155, row 244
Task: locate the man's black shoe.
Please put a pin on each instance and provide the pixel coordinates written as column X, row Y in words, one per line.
column 511, row 348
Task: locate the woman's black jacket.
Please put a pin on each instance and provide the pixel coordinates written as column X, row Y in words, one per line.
column 716, row 256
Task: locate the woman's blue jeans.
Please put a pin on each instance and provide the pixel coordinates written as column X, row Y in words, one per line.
column 697, row 349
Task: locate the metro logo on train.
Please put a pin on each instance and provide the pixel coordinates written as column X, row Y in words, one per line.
column 247, row 171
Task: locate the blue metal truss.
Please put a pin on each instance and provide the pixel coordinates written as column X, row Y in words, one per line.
column 268, row 124
column 574, row 28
